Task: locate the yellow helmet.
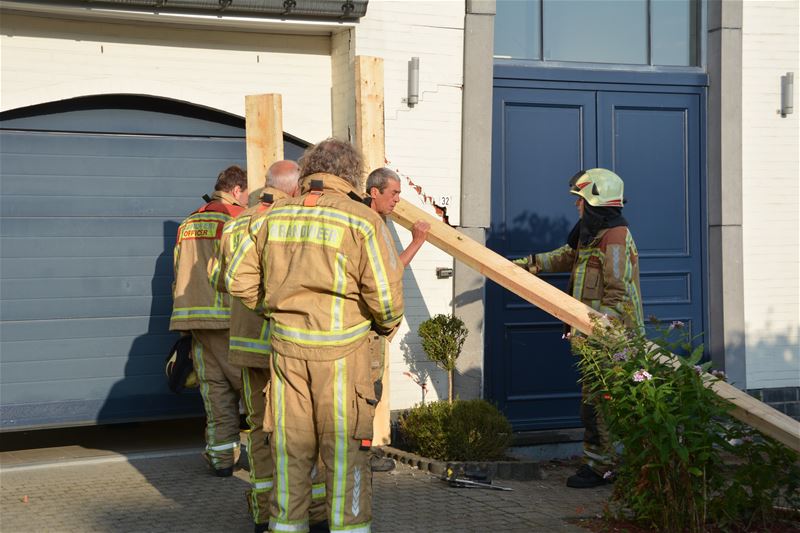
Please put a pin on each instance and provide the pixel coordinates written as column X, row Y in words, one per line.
column 598, row 186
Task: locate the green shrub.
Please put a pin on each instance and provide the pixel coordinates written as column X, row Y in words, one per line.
column 442, row 338
column 423, row 429
column 674, row 432
column 466, row 430
column 478, row 431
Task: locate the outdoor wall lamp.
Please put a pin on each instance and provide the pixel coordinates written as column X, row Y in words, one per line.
column 413, row 82
column 787, row 94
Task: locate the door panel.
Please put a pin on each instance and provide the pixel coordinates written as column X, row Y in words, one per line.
column 546, row 137
column 652, row 141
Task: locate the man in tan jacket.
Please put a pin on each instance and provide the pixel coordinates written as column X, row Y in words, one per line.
column 330, row 275
column 204, row 312
column 249, row 341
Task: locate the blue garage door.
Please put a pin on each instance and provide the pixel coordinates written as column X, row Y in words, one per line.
column 545, row 130
column 92, row 193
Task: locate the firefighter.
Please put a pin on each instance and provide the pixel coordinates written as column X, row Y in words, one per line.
column 249, row 347
column 604, row 262
column 331, row 276
column 204, row 312
column 383, row 190
column 383, row 194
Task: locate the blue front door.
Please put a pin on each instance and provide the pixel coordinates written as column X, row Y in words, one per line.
column 544, row 132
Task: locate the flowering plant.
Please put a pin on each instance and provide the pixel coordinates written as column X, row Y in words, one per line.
column 674, row 434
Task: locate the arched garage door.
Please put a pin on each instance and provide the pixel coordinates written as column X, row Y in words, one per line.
column 92, row 192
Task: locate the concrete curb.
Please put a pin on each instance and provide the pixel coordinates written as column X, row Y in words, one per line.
column 514, row 470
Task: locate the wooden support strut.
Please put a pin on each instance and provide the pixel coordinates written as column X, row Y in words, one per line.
column 263, row 135
column 566, row 308
column 370, row 141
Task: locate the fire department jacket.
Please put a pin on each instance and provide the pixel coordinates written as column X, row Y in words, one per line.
column 330, row 273
column 196, row 303
column 249, row 341
column 605, row 274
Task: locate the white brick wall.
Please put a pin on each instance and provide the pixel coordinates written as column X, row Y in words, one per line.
column 423, row 143
column 771, row 195
column 46, row 59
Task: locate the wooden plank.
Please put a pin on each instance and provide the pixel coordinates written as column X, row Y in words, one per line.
column 264, row 136
column 564, row 307
column 370, row 139
column 370, row 142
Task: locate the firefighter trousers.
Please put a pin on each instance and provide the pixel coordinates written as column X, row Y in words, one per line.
column 254, row 385
column 598, row 452
column 220, row 387
column 325, row 409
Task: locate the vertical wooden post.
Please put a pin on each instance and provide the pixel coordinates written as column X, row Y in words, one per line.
column 264, row 136
column 369, row 112
column 370, row 142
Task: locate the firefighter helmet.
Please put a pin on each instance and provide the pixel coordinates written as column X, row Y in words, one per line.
column 598, row 186
column 179, row 368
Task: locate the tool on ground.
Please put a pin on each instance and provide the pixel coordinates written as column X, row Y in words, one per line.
column 470, row 478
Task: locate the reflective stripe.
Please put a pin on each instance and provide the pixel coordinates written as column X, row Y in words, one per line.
column 318, row 491
column 285, row 525
column 241, row 250
column 211, row 424
column 223, row 447
column 263, row 485
column 201, row 312
column 339, row 281
column 340, row 442
column 358, row 528
column 364, row 227
column 246, row 344
column 281, row 457
column 321, row 338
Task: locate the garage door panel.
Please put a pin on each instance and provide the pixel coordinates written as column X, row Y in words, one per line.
column 58, row 247
column 77, row 266
column 49, row 226
column 105, row 328
column 53, row 288
column 90, row 204
column 87, row 348
column 140, row 205
column 94, row 307
column 101, row 186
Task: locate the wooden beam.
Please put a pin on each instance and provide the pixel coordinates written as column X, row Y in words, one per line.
column 264, row 136
column 370, row 139
column 370, row 142
column 566, row 308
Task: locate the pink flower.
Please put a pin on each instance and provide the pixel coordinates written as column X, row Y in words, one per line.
column 566, row 336
column 698, row 369
column 641, row 375
column 608, row 475
column 677, row 324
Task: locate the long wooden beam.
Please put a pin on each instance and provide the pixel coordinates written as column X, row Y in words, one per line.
column 263, row 135
column 566, row 308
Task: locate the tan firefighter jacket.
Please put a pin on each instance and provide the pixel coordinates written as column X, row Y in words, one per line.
column 605, row 274
column 249, row 341
column 196, row 303
column 331, row 273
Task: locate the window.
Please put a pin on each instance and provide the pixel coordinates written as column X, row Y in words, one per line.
column 635, row 32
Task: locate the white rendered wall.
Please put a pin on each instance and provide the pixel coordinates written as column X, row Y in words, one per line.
column 771, row 195
column 44, row 60
column 423, row 143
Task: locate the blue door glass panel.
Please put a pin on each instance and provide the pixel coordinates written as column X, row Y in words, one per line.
column 541, row 139
column 517, row 29
column 674, row 28
column 607, row 31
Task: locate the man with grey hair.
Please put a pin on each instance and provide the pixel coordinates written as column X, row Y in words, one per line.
column 383, row 189
column 281, row 175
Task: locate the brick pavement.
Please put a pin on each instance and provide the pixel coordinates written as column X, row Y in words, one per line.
column 177, row 494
